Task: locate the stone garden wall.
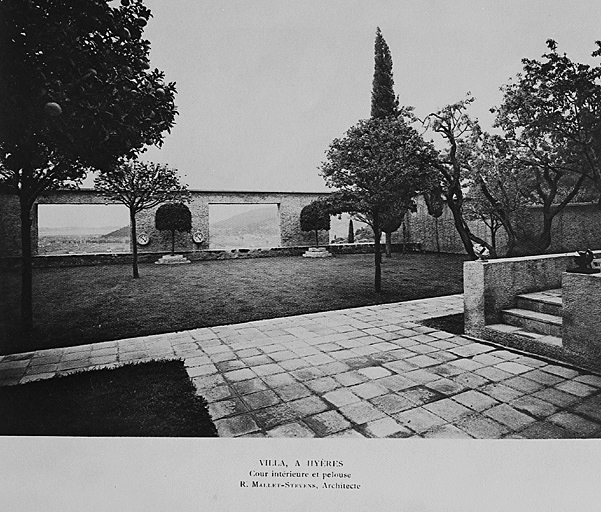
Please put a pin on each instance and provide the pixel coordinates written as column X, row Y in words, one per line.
column 577, row 228
column 423, row 229
column 289, row 205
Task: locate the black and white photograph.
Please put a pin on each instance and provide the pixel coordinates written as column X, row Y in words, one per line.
column 267, row 255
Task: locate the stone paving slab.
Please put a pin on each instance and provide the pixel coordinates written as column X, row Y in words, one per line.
column 371, row 371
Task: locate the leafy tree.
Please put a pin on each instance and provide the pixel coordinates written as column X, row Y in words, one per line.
column 76, row 92
column 553, row 112
column 173, row 217
column 351, row 232
column 461, row 135
column 500, row 189
column 315, row 217
column 483, row 168
column 140, row 186
column 497, row 174
column 479, row 208
column 551, row 116
column 390, row 220
column 384, row 102
column 380, row 162
column 364, row 233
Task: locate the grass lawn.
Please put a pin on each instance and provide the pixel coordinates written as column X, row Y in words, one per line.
column 79, row 305
column 152, row 400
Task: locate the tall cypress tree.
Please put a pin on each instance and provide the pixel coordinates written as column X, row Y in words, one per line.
column 384, row 102
column 351, row 232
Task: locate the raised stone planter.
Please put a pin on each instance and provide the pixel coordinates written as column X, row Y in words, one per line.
column 317, row 252
column 176, row 259
column 581, row 294
column 492, row 286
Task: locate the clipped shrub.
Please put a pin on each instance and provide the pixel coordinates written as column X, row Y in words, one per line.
column 315, row 217
column 173, row 217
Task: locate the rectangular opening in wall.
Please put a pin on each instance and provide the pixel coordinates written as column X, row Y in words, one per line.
column 244, row 226
column 83, row 228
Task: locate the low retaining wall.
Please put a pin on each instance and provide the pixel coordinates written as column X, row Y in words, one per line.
column 74, row 260
column 491, row 286
column 364, row 248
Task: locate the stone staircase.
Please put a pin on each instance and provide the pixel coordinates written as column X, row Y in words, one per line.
column 536, row 316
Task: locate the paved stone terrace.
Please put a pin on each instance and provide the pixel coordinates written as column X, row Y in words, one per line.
column 363, row 372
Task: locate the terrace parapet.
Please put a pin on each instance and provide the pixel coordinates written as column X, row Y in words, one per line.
column 491, row 286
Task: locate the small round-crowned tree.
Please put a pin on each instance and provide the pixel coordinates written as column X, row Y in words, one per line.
column 173, row 217
column 315, row 217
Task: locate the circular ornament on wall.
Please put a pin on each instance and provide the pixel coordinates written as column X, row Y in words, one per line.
column 143, row 239
column 197, row 237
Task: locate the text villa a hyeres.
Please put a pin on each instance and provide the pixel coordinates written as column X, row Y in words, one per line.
column 299, row 474
column 316, row 463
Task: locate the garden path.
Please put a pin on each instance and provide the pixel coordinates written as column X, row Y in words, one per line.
column 370, row 371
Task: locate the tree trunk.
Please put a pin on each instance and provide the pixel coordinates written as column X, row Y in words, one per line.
column 493, row 236
column 504, row 218
column 172, row 242
column 378, row 256
column 511, row 241
column 316, row 239
column 404, row 237
column 134, row 242
column 544, row 240
column 26, row 267
column 388, row 245
column 462, row 229
column 437, row 237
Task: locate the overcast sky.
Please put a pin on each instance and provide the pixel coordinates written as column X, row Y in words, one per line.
column 265, row 85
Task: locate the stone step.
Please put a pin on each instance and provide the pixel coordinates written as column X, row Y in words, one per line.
column 176, row 259
column 317, row 252
column 548, row 302
column 518, row 331
column 533, row 321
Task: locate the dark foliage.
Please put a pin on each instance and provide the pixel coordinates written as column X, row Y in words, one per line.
column 384, row 103
column 315, row 217
column 153, row 399
column 173, row 217
column 76, row 92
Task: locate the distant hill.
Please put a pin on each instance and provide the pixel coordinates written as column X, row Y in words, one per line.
column 123, row 232
column 75, row 231
column 259, row 221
